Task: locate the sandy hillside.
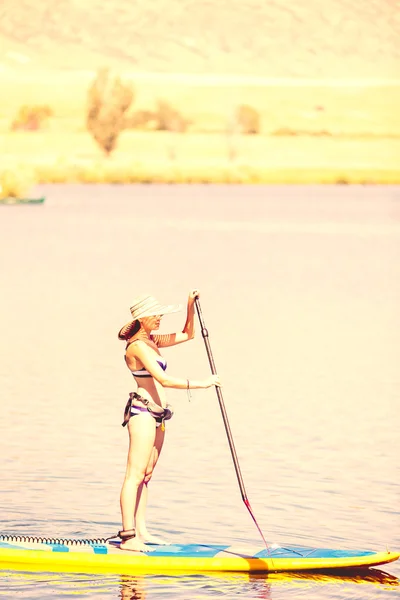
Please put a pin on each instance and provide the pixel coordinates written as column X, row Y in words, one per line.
column 272, row 38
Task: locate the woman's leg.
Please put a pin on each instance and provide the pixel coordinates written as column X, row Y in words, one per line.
column 142, row 435
column 140, row 512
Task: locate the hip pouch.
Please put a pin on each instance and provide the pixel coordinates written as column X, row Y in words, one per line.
column 159, row 413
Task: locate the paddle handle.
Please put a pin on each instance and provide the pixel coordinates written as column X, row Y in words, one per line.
column 204, row 333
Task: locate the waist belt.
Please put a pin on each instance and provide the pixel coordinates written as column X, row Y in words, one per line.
column 159, row 413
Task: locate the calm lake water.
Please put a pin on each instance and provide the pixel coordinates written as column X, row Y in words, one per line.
column 300, row 290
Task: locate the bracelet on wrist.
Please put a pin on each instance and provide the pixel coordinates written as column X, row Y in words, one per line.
column 189, row 395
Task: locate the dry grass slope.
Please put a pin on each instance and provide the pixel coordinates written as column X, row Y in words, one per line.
column 274, row 38
column 315, row 131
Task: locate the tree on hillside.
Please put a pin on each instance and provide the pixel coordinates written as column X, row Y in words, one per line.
column 31, row 118
column 248, row 119
column 242, row 120
column 108, row 101
column 169, row 118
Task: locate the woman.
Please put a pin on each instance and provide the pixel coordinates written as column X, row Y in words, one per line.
column 147, row 410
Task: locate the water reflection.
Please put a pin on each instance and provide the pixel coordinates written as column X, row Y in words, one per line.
column 254, row 586
column 132, row 588
column 196, row 586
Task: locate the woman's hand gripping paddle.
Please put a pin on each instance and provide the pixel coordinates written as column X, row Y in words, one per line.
column 204, row 333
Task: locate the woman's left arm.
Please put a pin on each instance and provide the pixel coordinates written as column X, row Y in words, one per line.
column 171, row 339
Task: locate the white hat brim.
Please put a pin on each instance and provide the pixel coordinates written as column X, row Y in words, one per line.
column 160, row 310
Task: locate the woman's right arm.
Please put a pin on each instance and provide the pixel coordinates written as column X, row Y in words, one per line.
column 146, row 356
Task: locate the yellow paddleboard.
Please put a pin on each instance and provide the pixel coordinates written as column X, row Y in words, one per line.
column 85, row 554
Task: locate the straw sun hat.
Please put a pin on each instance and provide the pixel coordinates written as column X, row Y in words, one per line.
column 146, row 306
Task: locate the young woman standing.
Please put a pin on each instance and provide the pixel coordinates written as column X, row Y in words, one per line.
column 147, row 409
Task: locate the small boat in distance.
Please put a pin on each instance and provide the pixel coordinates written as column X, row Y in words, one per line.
column 12, row 200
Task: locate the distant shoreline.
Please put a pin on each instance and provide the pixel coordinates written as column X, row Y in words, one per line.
column 212, row 79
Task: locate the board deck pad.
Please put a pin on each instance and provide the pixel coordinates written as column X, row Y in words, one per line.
column 186, row 557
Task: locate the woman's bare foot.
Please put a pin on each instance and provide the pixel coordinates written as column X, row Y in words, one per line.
column 153, row 539
column 135, row 544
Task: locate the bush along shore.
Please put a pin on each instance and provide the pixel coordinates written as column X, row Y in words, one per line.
column 18, row 182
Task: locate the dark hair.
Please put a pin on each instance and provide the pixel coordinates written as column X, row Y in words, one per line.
column 130, row 331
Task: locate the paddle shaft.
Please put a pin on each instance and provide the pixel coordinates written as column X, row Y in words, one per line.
column 204, row 333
